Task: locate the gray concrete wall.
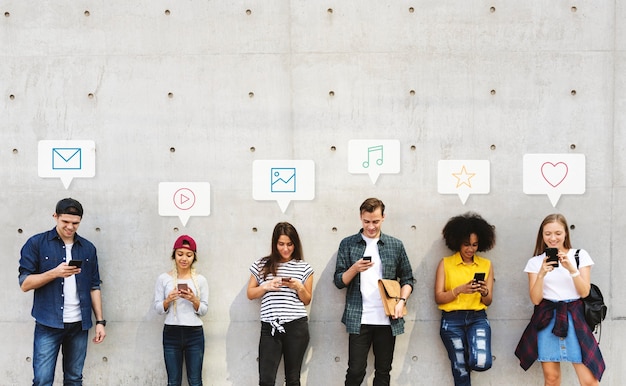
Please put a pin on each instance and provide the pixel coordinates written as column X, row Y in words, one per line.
column 198, row 90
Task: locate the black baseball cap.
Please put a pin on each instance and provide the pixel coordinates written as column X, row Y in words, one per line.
column 69, row 206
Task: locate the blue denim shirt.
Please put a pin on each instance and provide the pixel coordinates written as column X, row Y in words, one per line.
column 44, row 252
column 395, row 264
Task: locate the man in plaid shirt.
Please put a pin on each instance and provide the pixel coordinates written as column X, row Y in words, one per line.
column 362, row 259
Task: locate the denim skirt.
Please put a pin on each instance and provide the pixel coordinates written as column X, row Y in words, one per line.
column 555, row 349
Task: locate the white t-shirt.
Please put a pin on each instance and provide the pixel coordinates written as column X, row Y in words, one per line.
column 373, row 309
column 71, row 302
column 558, row 285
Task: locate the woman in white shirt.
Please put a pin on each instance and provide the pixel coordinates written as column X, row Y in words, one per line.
column 183, row 296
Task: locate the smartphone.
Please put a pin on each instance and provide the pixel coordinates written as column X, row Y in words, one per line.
column 182, row 287
column 552, row 256
column 479, row 276
column 75, row 263
column 367, row 258
column 285, row 279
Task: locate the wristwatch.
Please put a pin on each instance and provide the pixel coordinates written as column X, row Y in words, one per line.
column 102, row 322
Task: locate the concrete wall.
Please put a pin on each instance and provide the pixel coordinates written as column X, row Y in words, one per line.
column 198, row 90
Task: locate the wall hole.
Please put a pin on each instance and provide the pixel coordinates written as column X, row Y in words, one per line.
column 97, row 229
column 414, row 358
column 492, row 147
column 11, row 97
column 411, row 10
column 254, row 229
column 7, row 14
column 334, row 229
column 172, row 150
column 28, row 359
column 20, row 230
column 413, row 227
column 251, row 94
column 248, row 12
column 329, row 10
column 87, row 13
column 337, row 359
column 167, row 12
column 170, row 95
column 105, row 359
column 412, row 92
column 413, row 147
column 573, row 92
column 493, row 358
column 572, row 146
column 90, row 95
column 492, row 9
column 331, row 93
column 15, row 151
column 493, row 92
column 333, row 148
column 572, row 227
column 574, row 9
column 252, row 149
column 175, row 229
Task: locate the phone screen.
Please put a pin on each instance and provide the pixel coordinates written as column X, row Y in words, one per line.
column 479, row 276
column 75, row 263
column 367, row 258
column 182, row 287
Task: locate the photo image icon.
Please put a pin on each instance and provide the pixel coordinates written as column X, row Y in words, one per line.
column 283, row 180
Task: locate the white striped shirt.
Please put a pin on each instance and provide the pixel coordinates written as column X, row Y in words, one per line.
column 284, row 305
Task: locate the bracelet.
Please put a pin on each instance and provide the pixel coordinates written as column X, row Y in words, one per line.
column 575, row 274
column 453, row 294
column 485, row 294
column 401, row 299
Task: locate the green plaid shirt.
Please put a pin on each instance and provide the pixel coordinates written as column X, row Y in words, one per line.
column 395, row 264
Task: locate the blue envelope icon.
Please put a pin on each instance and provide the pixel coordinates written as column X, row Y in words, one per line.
column 283, row 180
column 66, row 158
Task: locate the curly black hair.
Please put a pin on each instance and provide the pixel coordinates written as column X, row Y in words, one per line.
column 459, row 228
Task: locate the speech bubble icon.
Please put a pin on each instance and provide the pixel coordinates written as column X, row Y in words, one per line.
column 184, row 199
column 374, row 157
column 554, row 175
column 463, row 177
column 283, row 181
column 66, row 159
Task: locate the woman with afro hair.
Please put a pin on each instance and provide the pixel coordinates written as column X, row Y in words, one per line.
column 463, row 291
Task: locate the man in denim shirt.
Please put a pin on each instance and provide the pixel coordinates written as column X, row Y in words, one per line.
column 64, row 295
column 362, row 259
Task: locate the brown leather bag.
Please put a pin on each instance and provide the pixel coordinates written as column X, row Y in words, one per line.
column 390, row 294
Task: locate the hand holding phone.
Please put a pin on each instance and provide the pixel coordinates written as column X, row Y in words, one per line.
column 183, row 287
column 553, row 258
column 479, row 276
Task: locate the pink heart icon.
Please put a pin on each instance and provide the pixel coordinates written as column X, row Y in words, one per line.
column 554, row 174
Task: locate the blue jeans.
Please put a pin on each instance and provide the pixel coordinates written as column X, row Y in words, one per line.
column 291, row 345
column 72, row 341
column 467, row 337
column 183, row 342
column 382, row 342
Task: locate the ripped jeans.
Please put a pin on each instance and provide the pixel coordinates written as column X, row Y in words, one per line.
column 467, row 338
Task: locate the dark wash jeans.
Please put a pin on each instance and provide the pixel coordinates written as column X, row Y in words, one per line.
column 383, row 344
column 72, row 341
column 467, row 338
column 183, row 343
column 291, row 345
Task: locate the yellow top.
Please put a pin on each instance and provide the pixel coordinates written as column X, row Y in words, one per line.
column 457, row 273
